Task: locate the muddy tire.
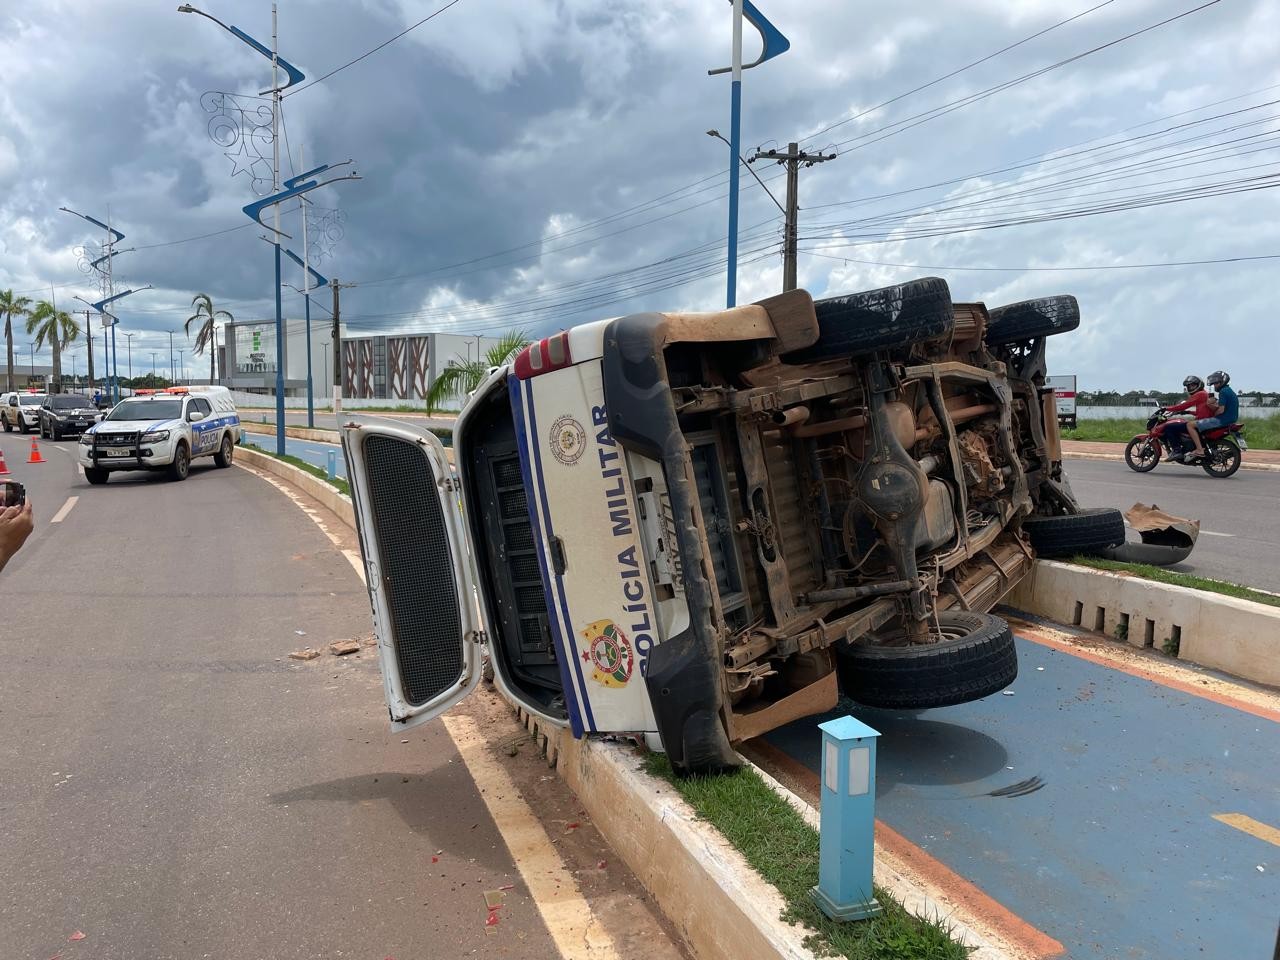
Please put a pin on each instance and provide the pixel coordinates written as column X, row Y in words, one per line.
column 896, row 316
column 1142, row 454
column 1088, row 532
column 1029, row 319
column 975, row 658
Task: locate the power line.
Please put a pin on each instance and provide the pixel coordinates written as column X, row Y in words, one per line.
column 934, row 112
column 370, row 53
column 956, row 72
column 1025, row 269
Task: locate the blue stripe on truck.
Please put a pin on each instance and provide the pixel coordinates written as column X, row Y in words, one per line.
column 575, row 699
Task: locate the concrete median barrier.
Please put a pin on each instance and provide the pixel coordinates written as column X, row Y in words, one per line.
column 328, row 495
column 1239, row 637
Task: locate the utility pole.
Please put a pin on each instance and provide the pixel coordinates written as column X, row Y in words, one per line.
column 153, row 364
column 792, row 159
column 337, row 345
column 171, row 378
column 129, row 337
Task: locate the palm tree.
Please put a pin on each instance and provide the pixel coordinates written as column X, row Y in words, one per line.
column 12, row 307
column 460, row 378
column 56, row 328
column 206, row 316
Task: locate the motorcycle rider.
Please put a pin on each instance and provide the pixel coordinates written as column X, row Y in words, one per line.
column 1223, row 413
column 1199, row 402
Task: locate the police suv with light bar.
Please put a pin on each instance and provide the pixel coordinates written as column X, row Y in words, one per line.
column 162, row 430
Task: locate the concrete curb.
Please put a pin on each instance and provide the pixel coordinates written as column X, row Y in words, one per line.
column 1240, row 637
column 328, row 495
column 1244, row 465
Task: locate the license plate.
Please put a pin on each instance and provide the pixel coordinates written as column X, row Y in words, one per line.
column 118, row 452
column 1244, row 444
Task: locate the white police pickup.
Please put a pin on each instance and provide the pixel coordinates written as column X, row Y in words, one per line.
column 162, row 430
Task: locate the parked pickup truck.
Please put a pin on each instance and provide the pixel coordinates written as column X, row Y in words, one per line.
column 694, row 528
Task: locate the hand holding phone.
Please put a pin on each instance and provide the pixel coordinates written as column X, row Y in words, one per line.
column 12, row 494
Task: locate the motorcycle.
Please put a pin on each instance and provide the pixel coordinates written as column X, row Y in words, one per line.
column 1223, row 447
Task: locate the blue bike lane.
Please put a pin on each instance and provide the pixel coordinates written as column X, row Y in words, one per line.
column 1121, row 816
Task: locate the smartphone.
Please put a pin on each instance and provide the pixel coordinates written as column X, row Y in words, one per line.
column 12, row 494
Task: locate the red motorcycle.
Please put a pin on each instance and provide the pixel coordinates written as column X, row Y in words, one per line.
column 1223, row 447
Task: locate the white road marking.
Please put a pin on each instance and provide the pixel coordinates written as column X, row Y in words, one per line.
column 567, row 915
column 66, row 508
column 1211, row 533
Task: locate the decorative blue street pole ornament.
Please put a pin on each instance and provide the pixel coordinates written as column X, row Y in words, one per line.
column 773, row 44
column 846, row 845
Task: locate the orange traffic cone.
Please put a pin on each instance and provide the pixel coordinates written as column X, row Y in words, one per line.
column 35, row 453
column 4, row 470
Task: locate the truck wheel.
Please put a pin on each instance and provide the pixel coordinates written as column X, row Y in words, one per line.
column 96, row 475
column 1028, row 319
column 974, row 657
column 900, row 315
column 1087, row 532
column 22, row 425
column 8, row 427
column 225, row 452
column 181, row 465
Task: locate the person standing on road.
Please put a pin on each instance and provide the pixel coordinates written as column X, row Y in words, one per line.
column 1223, row 413
column 16, row 524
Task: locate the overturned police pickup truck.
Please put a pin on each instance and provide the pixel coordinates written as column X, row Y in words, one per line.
column 697, row 527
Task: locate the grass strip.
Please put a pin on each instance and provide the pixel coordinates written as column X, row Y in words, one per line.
column 1261, row 434
column 783, row 849
column 1159, row 574
column 337, row 482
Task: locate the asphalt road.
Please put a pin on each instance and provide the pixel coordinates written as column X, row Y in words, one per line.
column 1239, row 523
column 1087, row 803
column 175, row 787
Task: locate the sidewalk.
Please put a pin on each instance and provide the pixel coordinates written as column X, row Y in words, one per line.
column 1097, row 448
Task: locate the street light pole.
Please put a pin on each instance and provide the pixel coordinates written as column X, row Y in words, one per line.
column 181, row 369
column 153, row 364
column 324, row 351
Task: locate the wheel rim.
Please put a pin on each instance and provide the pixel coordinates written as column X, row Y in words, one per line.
column 182, row 460
column 226, row 449
column 1143, row 454
column 1222, row 458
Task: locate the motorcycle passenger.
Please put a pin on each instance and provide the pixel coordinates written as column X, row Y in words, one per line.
column 1199, row 402
column 1224, row 411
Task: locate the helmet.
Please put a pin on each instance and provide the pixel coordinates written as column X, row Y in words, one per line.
column 1193, row 383
column 1219, row 378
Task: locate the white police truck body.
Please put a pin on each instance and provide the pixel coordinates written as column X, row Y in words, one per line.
column 162, row 431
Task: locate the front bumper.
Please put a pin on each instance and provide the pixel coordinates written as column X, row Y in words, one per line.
column 137, row 455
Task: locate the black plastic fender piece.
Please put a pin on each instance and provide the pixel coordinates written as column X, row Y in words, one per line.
column 683, row 677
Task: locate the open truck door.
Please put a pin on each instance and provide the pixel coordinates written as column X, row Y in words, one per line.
column 409, row 518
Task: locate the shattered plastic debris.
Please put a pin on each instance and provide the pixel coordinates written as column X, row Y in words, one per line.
column 492, row 919
column 1007, row 693
column 601, row 864
column 493, row 898
column 301, row 633
column 1040, row 668
column 76, row 936
column 572, row 826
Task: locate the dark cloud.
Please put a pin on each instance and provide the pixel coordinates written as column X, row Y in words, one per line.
column 505, row 124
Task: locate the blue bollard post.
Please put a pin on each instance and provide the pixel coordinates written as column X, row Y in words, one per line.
column 846, row 846
column 332, row 457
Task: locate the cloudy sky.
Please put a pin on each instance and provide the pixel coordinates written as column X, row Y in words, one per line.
column 538, row 164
